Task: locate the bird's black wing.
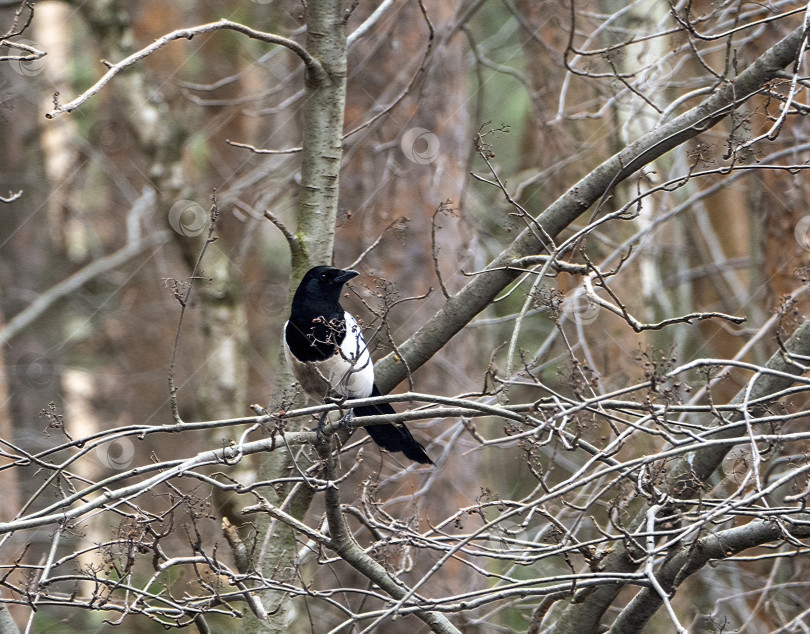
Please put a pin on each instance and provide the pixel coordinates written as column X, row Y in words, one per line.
column 392, row 437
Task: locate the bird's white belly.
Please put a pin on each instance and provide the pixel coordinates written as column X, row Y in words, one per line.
column 348, row 373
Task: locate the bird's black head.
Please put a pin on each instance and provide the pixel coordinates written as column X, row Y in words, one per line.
column 319, row 290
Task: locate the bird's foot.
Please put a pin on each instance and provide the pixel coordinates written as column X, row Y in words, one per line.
column 320, row 429
column 346, row 421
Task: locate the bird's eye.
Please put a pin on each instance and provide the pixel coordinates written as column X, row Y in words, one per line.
column 322, row 276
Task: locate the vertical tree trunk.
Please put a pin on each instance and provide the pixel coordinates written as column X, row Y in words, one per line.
column 322, row 144
column 322, row 136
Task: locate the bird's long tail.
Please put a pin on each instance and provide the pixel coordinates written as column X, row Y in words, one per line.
column 392, row 437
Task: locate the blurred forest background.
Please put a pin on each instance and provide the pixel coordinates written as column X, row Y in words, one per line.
column 464, row 120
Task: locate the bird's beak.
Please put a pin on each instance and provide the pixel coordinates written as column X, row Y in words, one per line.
column 345, row 276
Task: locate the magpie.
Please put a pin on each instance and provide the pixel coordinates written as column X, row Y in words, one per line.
column 329, row 358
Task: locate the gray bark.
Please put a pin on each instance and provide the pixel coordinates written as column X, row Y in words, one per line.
column 322, row 145
column 477, row 295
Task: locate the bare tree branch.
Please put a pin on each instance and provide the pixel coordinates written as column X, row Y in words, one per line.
column 314, row 69
column 475, row 296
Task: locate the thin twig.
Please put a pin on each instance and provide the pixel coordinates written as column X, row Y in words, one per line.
column 12, row 196
column 316, row 73
column 292, row 240
column 395, row 223
column 26, row 317
column 445, row 207
column 184, row 304
column 256, row 150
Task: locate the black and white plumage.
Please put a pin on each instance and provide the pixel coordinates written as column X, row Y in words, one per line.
column 328, row 356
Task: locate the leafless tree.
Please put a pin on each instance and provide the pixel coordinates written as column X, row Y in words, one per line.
column 585, row 255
